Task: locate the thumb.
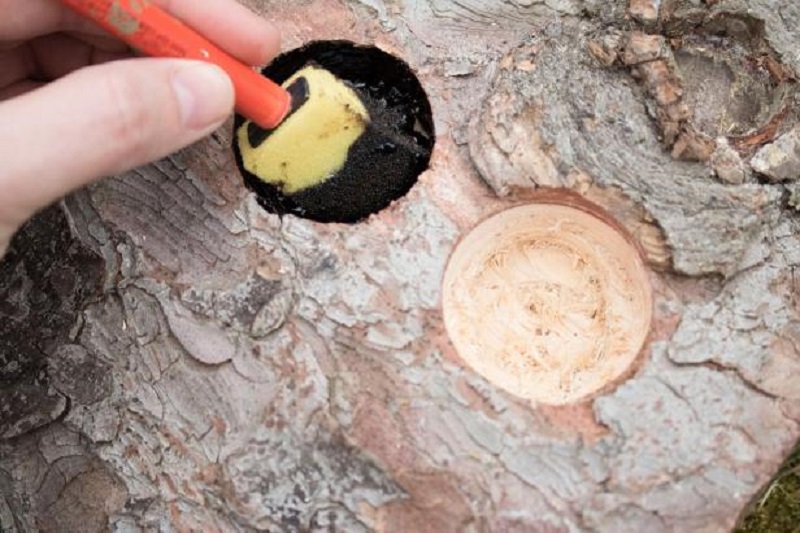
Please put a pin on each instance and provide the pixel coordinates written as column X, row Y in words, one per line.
column 103, row 120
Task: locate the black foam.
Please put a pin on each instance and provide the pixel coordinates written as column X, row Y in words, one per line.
column 385, row 162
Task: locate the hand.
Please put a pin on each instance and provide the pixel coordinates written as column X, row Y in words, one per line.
column 75, row 106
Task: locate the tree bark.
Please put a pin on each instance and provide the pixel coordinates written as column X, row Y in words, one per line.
column 173, row 358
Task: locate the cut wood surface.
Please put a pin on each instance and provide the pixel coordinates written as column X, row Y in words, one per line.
column 173, row 358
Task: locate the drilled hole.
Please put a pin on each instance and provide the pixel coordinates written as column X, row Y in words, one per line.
column 729, row 92
column 385, row 161
column 548, row 301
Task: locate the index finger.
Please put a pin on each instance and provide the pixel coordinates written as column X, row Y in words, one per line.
column 228, row 24
column 27, row 19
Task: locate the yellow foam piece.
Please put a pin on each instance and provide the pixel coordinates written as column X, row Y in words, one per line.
column 312, row 144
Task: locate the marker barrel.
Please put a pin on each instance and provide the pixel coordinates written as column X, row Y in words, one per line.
column 154, row 32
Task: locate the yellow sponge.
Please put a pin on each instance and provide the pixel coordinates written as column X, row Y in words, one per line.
column 312, row 144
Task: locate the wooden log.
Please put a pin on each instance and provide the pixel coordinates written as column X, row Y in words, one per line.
column 174, row 358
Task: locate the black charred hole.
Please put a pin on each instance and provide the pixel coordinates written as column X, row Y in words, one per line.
column 385, row 163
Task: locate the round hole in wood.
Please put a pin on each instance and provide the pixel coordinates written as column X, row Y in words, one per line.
column 382, row 163
column 550, row 302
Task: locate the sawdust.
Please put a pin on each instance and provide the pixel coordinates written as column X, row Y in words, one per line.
column 547, row 302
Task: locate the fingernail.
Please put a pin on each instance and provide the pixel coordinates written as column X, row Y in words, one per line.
column 204, row 93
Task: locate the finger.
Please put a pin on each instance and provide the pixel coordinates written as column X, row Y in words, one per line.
column 227, row 23
column 59, row 54
column 101, row 56
column 103, row 120
column 101, row 42
column 16, row 64
column 27, row 19
column 56, row 55
column 19, row 88
column 231, row 26
column 9, row 45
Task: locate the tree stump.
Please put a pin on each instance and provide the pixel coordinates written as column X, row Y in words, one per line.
column 174, row 358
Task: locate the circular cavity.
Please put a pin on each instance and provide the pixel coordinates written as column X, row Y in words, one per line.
column 385, row 161
column 548, row 302
column 732, row 80
column 726, row 99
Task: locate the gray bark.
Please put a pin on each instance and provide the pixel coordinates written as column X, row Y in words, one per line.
column 172, row 358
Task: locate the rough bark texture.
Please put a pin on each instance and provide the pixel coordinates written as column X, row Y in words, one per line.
column 174, row 359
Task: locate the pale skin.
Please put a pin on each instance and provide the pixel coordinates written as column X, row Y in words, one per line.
column 76, row 105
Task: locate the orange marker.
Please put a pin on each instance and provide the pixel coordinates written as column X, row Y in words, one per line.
column 156, row 33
